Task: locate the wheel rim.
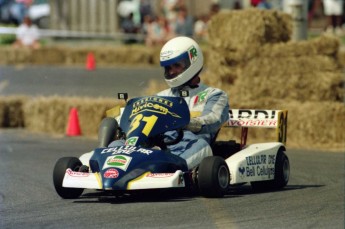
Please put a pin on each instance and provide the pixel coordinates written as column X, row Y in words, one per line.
column 223, row 177
column 286, row 170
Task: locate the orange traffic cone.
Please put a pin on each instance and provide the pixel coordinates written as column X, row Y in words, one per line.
column 73, row 128
column 90, row 62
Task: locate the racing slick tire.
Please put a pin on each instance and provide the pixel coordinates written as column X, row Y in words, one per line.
column 59, row 172
column 281, row 174
column 107, row 132
column 213, row 177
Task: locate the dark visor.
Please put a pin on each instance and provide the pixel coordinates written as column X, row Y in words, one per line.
column 182, row 61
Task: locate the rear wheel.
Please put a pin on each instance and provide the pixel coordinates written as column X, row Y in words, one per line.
column 213, row 177
column 281, row 174
column 59, row 172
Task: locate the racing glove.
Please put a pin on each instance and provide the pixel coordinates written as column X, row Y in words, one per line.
column 194, row 125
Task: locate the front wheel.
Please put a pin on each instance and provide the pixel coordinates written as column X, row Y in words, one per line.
column 213, row 177
column 59, row 172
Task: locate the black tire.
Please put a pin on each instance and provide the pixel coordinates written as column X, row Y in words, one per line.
column 107, row 132
column 59, row 172
column 281, row 174
column 213, row 177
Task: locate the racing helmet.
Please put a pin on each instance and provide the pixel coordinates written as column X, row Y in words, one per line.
column 185, row 52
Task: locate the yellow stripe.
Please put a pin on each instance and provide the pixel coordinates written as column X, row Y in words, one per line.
column 99, row 179
column 136, row 179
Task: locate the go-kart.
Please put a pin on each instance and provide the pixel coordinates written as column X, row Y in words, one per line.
column 143, row 161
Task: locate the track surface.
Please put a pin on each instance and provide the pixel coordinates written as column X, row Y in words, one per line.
column 76, row 81
column 314, row 197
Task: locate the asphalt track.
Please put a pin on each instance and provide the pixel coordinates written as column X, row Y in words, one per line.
column 76, row 81
column 314, row 197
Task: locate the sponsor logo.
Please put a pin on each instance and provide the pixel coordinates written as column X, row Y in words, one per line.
column 159, row 175
column 126, row 150
column 252, row 123
column 76, row 174
column 242, row 171
column 253, row 114
column 111, row 173
column 118, row 161
column 153, row 104
column 201, row 97
column 166, row 53
column 256, row 160
column 131, row 141
column 193, row 54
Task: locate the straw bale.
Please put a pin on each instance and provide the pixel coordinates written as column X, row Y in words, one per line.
column 323, row 45
column 50, row 114
column 47, row 55
column 240, row 29
column 11, row 111
column 303, row 79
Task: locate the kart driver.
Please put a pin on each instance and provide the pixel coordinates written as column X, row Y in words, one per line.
column 182, row 60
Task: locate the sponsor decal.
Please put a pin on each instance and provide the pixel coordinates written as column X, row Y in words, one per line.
column 111, row 173
column 252, row 123
column 159, row 175
column 131, row 141
column 193, row 54
column 251, row 171
column 166, row 53
column 153, row 104
column 271, row 159
column 118, row 161
column 256, row 160
column 76, row 174
column 201, row 97
column 242, row 171
column 252, row 114
column 126, row 150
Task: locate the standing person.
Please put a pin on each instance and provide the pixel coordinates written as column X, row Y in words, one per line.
column 183, row 61
column 27, row 35
column 184, row 25
column 333, row 9
column 19, row 9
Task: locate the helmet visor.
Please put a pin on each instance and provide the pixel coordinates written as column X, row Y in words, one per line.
column 175, row 66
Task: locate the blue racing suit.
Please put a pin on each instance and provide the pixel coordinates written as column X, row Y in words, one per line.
column 210, row 107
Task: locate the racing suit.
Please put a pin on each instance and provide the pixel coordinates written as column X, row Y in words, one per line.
column 210, row 108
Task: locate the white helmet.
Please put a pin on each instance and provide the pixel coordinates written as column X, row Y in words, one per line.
column 181, row 50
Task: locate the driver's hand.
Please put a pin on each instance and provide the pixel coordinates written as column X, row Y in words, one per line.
column 194, row 125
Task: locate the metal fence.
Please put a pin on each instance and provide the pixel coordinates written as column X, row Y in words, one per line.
column 84, row 15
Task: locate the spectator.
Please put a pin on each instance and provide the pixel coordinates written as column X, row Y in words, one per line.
column 19, row 10
column 184, row 23
column 145, row 9
column 158, row 31
column 261, row 4
column 27, row 35
column 130, row 29
column 200, row 27
column 333, row 9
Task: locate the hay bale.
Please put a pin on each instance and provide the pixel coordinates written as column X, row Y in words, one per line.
column 50, row 114
column 302, row 79
column 11, row 111
column 245, row 30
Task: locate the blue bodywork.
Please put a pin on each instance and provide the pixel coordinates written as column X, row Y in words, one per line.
column 144, row 120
